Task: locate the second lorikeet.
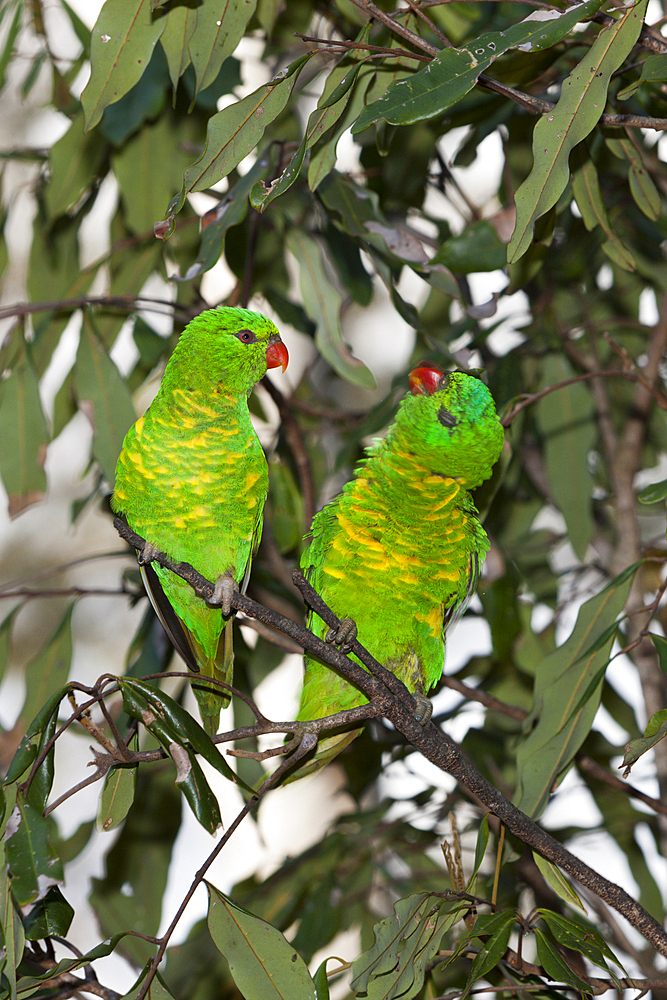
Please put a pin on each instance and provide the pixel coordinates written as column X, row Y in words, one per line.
column 192, row 480
column 398, row 551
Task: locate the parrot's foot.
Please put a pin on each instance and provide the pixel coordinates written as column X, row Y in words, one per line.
column 343, row 636
column 147, row 554
column 225, row 586
column 423, row 708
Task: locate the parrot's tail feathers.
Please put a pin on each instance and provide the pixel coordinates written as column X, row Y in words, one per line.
column 326, row 750
column 171, row 623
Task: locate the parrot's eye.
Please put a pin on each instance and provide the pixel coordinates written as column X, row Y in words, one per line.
column 446, row 418
column 246, row 336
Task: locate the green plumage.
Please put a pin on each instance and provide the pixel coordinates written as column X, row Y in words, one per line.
column 192, row 480
column 398, row 550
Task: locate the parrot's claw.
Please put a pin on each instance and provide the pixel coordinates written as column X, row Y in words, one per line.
column 423, row 709
column 343, row 636
column 147, row 554
column 224, row 587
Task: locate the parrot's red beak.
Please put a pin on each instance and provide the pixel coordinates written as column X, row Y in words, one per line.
column 277, row 355
column 425, row 379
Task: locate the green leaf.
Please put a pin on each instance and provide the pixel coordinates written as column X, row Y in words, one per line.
column 477, row 248
column 117, row 795
column 454, row 72
column 495, row 930
column 329, row 109
column 75, row 162
column 654, row 493
column 656, row 730
column 322, row 303
column 561, row 718
column 405, row 944
column 263, row 963
column 237, row 130
column 480, row 849
column 12, row 935
column 555, row 965
column 580, row 935
column 643, row 190
column 27, row 983
column 140, row 105
column 175, row 39
column 219, row 29
column 33, row 864
column 131, row 891
column 586, row 190
column 121, row 47
column 230, row 211
column 323, row 154
column 321, row 982
column 182, row 726
column 9, row 40
column 565, row 420
column 189, row 775
column 23, row 433
column 48, row 671
column 145, row 182
column 654, row 70
column 51, row 915
column 560, row 885
column 582, row 101
column 660, row 644
column 104, row 398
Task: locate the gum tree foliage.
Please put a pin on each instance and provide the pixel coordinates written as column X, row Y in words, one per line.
column 573, row 97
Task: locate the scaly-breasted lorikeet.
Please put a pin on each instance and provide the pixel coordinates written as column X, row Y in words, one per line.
column 192, row 480
column 398, row 550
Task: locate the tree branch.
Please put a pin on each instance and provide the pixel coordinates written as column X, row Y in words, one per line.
column 393, row 701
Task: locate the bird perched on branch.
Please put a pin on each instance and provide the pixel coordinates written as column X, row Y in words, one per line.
column 397, row 553
column 192, row 480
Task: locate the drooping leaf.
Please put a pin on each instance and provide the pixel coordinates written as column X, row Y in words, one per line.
column 122, row 43
column 566, row 698
column 643, row 190
column 24, row 434
column 75, row 162
column 329, row 109
column 175, row 39
column 495, row 930
column 557, row 881
column 33, row 864
column 48, row 671
column 565, row 420
column 322, row 303
column 50, row 916
column 218, row 31
column 104, row 398
column 263, row 963
column 582, row 101
column 586, row 190
column 130, row 893
column 118, row 794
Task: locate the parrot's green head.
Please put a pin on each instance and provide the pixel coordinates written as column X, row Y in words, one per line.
column 449, row 421
column 229, row 347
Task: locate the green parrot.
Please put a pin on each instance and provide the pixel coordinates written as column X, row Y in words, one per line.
column 397, row 553
column 192, row 480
